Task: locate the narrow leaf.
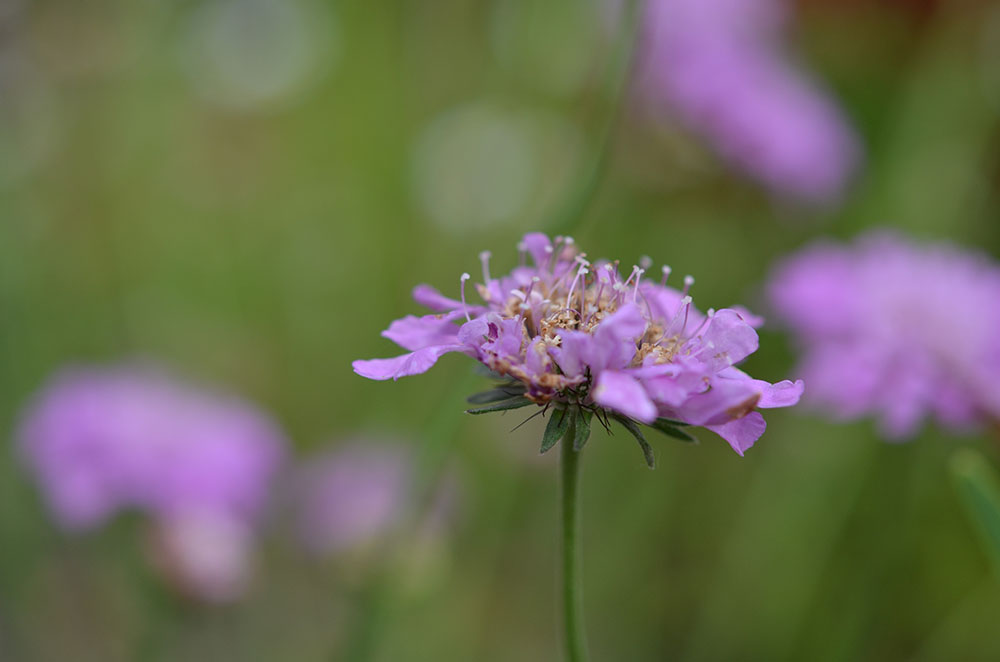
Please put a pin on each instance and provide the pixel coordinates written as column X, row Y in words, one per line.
column 582, row 432
column 647, row 450
column 495, row 395
column 503, row 405
column 667, row 427
column 980, row 491
column 558, row 424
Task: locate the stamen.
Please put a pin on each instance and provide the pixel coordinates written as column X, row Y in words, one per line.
column 701, row 327
column 688, row 282
column 522, row 253
column 638, row 279
column 675, row 328
column 465, row 308
column 531, row 286
column 645, row 262
column 635, row 270
column 484, row 257
column 582, row 271
column 666, row 275
column 686, row 302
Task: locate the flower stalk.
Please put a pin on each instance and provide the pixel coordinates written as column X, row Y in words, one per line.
column 575, row 638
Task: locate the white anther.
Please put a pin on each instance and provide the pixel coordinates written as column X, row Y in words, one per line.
column 465, row 308
column 688, row 282
column 645, row 262
column 638, row 278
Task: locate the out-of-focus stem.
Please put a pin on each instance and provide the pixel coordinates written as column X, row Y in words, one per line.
column 569, row 215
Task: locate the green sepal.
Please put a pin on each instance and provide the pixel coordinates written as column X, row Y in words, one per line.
column 647, row 450
column 979, row 490
column 496, row 394
column 503, row 405
column 669, row 428
column 555, row 430
column 582, row 432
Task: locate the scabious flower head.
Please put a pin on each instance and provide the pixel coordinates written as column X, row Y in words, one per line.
column 719, row 66
column 104, row 440
column 896, row 329
column 569, row 332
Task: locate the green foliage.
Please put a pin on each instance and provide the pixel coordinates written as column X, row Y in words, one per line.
column 515, row 402
column 582, row 431
column 505, row 392
column 671, row 429
column 559, row 422
column 633, row 428
column 979, row 488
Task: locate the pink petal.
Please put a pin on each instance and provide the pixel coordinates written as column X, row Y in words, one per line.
column 624, row 394
column 413, row 363
column 741, row 433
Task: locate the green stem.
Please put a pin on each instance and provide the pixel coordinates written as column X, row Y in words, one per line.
column 569, row 216
column 576, row 645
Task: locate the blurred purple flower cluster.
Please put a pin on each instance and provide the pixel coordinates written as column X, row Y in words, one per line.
column 104, row 440
column 721, row 67
column 581, row 334
column 896, row 329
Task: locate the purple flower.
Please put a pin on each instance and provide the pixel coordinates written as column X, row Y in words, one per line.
column 719, row 65
column 896, row 329
column 103, row 440
column 352, row 495
column 568, row 332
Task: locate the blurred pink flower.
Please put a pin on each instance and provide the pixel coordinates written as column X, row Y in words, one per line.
column 104, row 440
column 351, row 495
column 721, row 67
column 896, row 329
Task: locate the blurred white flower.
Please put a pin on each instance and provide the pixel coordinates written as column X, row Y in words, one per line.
column 205, row 555
column 479, row 165
column 251, row 54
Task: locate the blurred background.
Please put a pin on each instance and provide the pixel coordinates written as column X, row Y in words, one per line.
column 246, row 191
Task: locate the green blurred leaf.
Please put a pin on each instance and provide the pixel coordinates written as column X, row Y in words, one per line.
column 558, row 424
column 582, row 432
column 647, row 450
column 669, row 428
column 503, row 405
column 496, row 394
column 979, row 489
